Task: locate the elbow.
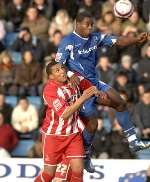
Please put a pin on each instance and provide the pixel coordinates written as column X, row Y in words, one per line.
column 65, row 115
column 123, row 41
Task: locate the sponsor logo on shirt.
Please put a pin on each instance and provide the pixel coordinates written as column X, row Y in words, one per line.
column 57, row 104
column 86, row 51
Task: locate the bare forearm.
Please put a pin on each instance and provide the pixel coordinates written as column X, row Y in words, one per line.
column 125, row 41
column 73, row 108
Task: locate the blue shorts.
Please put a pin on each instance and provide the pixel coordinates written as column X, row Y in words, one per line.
column 89, row 108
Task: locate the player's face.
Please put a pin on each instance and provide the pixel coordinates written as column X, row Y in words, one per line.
column 58, row 73
column 85, row 27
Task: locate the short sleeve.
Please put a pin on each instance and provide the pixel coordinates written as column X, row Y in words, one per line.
column 84, row 83
column 108, row 40
column 105, row 39
column 63, row 53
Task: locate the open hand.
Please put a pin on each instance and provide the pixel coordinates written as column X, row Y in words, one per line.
column 74, row 80
column 90, row 92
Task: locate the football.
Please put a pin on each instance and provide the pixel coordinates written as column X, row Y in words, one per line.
column 123, row 9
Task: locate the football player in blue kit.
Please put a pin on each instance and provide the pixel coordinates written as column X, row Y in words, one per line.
column 78, row 51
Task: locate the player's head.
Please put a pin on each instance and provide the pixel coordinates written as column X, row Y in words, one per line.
column 56, row 71
column 84, row 24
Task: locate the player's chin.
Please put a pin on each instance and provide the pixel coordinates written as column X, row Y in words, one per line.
column 64, row 79
column 88, row 32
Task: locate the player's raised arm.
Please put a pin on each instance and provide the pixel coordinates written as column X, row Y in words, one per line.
column 125, row 40
column 74, row 107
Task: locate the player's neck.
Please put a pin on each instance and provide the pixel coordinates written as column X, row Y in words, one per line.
column 76, row 32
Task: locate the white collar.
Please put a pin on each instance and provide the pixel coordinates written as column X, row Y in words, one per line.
column 80, row 36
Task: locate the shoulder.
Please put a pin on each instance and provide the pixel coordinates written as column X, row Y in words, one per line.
column 97, row 36
column 67, row 42
column 50, row 89
column 68, row 38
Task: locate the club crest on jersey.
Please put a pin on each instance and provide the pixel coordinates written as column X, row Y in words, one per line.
column 57, row 104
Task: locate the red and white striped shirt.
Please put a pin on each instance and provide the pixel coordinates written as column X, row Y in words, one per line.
column 58, row 98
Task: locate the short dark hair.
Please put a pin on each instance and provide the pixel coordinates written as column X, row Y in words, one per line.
column 121, row 73
column 25, row 29
column 80, row 16
column 57, row 32
column 23, row 97
column 50, row 64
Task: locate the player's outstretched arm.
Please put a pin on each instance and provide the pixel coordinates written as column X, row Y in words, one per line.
column 74, row 107
column 125, row 40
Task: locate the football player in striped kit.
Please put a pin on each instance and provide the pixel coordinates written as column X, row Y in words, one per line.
column 62, row 126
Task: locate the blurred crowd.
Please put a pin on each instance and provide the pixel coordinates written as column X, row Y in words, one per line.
column 30, row 32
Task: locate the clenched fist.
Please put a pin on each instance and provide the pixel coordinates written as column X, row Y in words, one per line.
column 142, row 37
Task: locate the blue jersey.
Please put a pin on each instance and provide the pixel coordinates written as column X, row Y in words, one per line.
column 80, row 54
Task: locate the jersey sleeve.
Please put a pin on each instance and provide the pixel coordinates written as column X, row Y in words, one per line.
column 106, row 40
column 64, row 50
column 84, row 83
column 54, row 101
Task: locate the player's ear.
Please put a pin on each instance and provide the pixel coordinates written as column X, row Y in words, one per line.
column 76, row 23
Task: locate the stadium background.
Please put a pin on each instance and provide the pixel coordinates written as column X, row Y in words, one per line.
column 30, row 32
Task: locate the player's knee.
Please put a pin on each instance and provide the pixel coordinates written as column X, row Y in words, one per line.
column 77, row 168
column 77, row 177
column 122, row 106
column 50, row 170
column 43, row 176
column 77, row 165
